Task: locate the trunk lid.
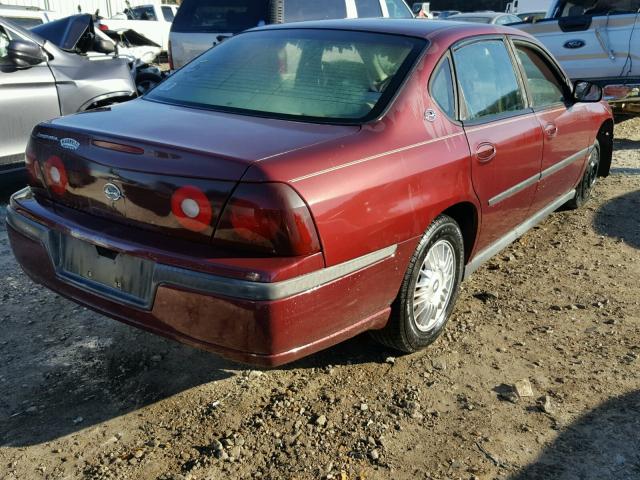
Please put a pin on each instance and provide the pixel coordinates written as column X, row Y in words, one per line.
column 167, row 148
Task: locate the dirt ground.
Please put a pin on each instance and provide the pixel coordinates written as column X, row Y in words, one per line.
column 82, row 396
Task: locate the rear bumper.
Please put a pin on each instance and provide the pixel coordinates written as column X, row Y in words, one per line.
column 266, row 323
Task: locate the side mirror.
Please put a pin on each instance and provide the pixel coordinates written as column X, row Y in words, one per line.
column 25, row 54
column 103, row 45
column 588, row 92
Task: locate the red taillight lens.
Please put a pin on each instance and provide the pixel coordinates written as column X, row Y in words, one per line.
column 33, row 169
column 192, row 208
column 267, row 218
column 103, row 27
column 169, row 56
column 55, row 175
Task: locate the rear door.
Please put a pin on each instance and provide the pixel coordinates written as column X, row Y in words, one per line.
column 565, row 126
column 503, row 134
column 28, row 96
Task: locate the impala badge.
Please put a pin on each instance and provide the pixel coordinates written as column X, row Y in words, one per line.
column 112, row 192
column 574, row 44
column 69, row 143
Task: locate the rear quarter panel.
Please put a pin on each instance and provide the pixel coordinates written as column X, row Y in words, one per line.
column 384, row 185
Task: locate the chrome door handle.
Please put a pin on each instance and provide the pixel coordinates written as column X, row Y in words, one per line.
column 551, row 130
column 485, row 152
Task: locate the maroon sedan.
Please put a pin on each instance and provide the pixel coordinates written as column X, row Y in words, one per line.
column 302, row 183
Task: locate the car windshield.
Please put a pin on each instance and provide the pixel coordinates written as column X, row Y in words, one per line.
column 305, row 74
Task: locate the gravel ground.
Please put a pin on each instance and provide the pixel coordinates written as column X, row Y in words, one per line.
column 536, row 378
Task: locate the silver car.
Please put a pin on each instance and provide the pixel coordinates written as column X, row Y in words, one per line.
column 201, row 24
column 40, row 80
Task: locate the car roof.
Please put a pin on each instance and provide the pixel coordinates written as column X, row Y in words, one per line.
column 480, row 14
column 397, row 26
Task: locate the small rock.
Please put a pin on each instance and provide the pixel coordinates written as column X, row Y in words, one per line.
column 156, row 358
column 364, row 407
column 545, row 404
column 321, row 421
column 374, row 454
column 391, row 360
column 523, row 388
column 78, row 420
column 439, row 364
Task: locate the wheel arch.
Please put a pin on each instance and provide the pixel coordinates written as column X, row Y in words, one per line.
column 467, row 217
column 605, row 139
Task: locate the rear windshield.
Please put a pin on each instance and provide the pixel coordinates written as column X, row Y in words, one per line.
column 300, row 10
column 220, row 16
column 25, row 22
column 304, row 74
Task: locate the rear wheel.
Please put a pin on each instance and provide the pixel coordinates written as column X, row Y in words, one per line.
column 585, row 187
column 429, row 289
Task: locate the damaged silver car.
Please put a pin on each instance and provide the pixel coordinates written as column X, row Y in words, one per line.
column 45, row 73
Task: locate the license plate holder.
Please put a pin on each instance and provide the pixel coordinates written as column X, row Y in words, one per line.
column 116, row 275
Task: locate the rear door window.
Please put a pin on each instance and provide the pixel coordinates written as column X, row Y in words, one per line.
column 301, row 10
column 542, row 79
column 368, row 8
column 487, row 80
column 144, row 13
column 220, row 16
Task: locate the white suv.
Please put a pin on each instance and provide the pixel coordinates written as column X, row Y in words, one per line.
column 201, row 24
column 26, row 17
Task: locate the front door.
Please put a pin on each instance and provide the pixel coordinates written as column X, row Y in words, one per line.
column 565, row 126
column 28, row 96
column 503, row 133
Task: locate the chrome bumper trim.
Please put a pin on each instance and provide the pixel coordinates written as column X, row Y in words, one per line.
column 192, row 280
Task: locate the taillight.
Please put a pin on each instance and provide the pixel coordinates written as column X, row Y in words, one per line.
column 192, row 208
column 55, row 175
column 169, row 56
column 103, row 27
column 33, row 169
column 267, row 218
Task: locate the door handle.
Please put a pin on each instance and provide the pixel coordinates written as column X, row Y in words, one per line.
column 485, row 152
column 551, row 130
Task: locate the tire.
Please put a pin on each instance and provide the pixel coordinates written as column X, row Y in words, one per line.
column 588, row 180
column 146, row 81
column 440, row 252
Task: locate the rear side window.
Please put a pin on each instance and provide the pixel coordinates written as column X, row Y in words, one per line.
column 368, row 8
column 167, row 13
column 398, row 9
column 542, row 80
column 301, row 10
column 487, row 79
column 441, row 88
column 220, row 16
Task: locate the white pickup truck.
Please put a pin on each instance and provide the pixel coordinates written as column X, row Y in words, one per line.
column 598, row 41
column 152, row 20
